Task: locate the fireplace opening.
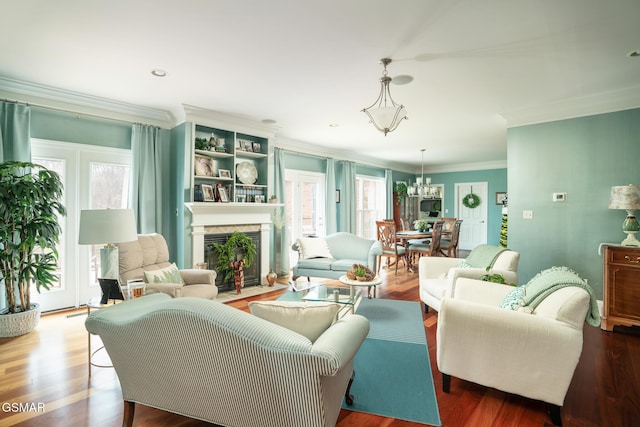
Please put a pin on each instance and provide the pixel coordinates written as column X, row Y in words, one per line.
column 251, row 274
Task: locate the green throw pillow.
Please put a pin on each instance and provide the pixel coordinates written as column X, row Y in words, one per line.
column 514, row 299
column 169, row 274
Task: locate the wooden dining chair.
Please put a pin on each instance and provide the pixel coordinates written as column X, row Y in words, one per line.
column 390, row 247
column 450, row 244
column 432, row 248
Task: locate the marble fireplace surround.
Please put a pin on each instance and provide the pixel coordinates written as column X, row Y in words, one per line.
column 213, row 218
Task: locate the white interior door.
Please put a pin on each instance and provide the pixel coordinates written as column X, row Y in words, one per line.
column 473, row 231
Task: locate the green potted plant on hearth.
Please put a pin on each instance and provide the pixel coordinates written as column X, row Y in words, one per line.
column 235, row 254
column 30, row 207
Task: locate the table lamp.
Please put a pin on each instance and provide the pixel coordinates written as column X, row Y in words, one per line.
column 107, row 226
column 627, row 197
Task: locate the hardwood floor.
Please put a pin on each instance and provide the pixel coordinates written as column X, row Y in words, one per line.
column 49, row 366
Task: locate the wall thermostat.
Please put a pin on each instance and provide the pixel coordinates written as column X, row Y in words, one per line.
column 559, row 197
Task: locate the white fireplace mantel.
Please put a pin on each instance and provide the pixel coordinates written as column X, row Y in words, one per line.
column 207, row 214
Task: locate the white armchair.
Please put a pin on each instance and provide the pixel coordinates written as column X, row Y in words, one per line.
column 530, row 354
column 438, row 275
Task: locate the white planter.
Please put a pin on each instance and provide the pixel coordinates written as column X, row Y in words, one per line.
column 16, row 324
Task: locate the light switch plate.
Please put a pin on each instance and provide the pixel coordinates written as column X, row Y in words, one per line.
column 527, row 214
column 559, row 197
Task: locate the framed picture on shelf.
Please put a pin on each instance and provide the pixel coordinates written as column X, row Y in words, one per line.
column 245, row 145
column 224, row 173
column 203, row 165
column 501, row 198
column 241, row 198
column 256, row 147
column 222, row 194
column 207, row 193
column 259, row 198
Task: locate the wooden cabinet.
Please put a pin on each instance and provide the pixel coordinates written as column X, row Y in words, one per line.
column 233, row 169
column 621, row 286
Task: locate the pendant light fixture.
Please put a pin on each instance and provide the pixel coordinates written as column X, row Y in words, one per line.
column 421, row 187
column 384, row 113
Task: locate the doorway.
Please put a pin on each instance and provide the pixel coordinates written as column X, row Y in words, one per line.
column 474, row 226
column 93, row 178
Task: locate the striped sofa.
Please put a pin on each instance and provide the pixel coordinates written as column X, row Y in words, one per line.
column 206, row 360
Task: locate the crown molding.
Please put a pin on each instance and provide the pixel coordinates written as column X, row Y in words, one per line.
column 75, row 102
column 340, row 154
column 467, row 167
column 238, row 123
column 605, row 102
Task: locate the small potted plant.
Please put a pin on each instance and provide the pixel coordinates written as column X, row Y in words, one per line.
column 420, row 225
column 235, row 254
column 361, row 273
column 273, row 199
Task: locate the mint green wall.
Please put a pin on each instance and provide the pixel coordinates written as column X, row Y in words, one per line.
column 496, row 180
column 61, row 126
column 583, row 157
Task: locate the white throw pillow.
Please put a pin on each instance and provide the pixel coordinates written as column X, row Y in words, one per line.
column 313, row 247
column 310, row 319
column 168, row 274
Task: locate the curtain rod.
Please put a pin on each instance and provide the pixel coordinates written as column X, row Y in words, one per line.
column 77, row 114
column 299, row 153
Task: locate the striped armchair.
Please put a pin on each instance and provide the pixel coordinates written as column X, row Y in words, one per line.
column 212, row 362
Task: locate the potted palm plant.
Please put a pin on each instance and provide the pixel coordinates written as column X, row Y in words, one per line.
column 235, row 254
column 30, row 207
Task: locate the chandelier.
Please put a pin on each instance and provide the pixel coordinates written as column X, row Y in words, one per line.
column 422, row 188
column 384, row 113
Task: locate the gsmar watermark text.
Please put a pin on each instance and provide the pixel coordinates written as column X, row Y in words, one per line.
column 23, row 407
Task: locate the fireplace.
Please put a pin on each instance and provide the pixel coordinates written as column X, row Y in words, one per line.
column 251, row 274
column 225, row 218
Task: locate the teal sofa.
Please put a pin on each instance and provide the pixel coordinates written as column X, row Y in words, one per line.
column 345, row 249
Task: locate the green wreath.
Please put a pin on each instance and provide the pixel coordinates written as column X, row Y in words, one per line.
column 471, row 201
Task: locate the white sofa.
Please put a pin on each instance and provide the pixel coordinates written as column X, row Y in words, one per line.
column 438, row 275
column 150, row 253
column 529, row 354
column 206, row 360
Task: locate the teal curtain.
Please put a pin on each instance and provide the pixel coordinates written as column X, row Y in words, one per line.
column 388, row 179
column 15, row 132
column 148, row 178
column 280, row 254
column 348, row 197
column 331, row 221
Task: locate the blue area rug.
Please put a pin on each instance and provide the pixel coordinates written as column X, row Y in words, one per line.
column 393, row 373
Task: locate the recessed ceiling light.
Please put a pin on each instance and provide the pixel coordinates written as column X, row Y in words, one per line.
column 159, row 73
column 402, row 79
column 269, row 121
column 333, row 125
column 634, row 54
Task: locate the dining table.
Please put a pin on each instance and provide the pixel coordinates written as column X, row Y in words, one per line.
column 407, row 235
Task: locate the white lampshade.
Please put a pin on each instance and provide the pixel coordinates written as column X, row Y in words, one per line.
column 106, row 226
column 625, row 197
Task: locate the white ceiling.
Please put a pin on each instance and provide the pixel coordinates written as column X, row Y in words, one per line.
column 478, row 66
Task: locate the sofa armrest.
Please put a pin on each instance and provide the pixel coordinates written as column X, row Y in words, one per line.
column 436, row 267
column 172, row 289
column 195, row 276
column 340, row 342
column 374, row 252
column 480, row 292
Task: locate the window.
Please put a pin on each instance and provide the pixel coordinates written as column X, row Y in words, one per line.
column 371, row 205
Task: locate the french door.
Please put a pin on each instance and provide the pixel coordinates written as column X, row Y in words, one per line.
column 305, row 205
column 93, row 178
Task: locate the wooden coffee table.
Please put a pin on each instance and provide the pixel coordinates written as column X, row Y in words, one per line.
column 355, row 283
